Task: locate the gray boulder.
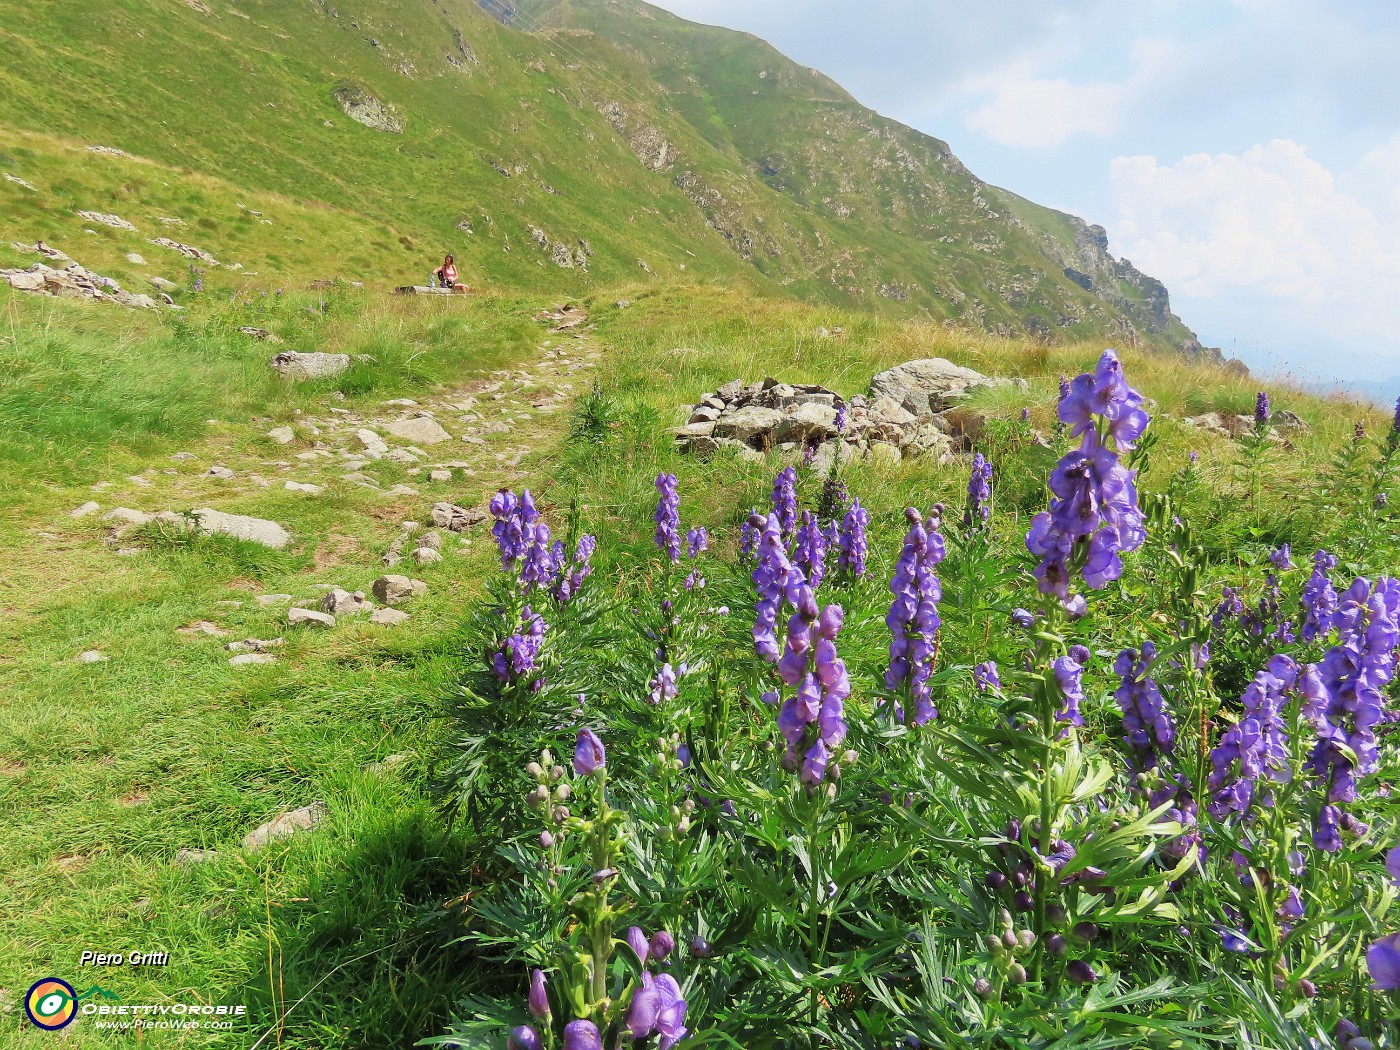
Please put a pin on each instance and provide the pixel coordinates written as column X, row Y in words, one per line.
column 297, row 367
column 807, row 422
column 310, row 618
column 925, row 387
column 393, row 589
column 749, row 425
column 423, row 430
column 242, row 527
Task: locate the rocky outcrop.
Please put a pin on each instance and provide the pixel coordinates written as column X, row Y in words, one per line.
column 114, row 221
column 651, row 147
column 188, row 250
column 916, row 409
column 363, row 108
column 75, row 282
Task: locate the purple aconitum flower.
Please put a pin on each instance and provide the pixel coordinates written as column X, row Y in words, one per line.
column 809, row 549
column 748, row 536
column 519, row 653
column 1080, row 972
column 841, row 417
column 1392, row 865
column 834, row 500
column 515, row 517
column 1069, row 676
column 667, row 517
column 1319, row 598
column 539, row 996
column 854, row 541
column 1023, row 618
column 663, row 685
column 657, row 1009
column 1094, row 505
column 1025, row 415
column 809, row 455
column 1106, row 394
column 772, row 577
column 979, row 492
column 785, row 500
column 1282, row 559
column 697, row 540
column 637, row 940
column 571, row 575
column 1348, row 701
column 662, row 944
column 582, row 1035
column 813, row 720
column 589, row 755
column 1256, row 747
column 1064, row 388
column 1231, row 607
column 986, row 677
column 1383, row 963
column 524, row 1038
column 913, row 618
column 1148, row 729
column 1262, row 411
column 538, row 565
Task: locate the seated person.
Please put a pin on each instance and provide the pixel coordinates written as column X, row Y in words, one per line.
column 447, row 273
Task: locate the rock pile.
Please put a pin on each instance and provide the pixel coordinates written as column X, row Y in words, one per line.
column 914, row 409
column 1239, row 426
column 187, row 250
column 76, row 282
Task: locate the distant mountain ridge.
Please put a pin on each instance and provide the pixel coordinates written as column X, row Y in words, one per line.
column 560, row 144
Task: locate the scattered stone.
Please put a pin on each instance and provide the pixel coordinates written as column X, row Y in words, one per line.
column 186, row 857
column 127, row 516
column 136, row 259
column 265, row 600
column 426, row 556
column 255, row 645
column 164, row 285
column 421, row 429
column 19, row 182
column 401, row 402
column 242, row 527
column 388, row 617
column 363, row 108
column 218, row 470
column 456, row 519
column 340, row 602
column 262, row 335
column 186, row 250
column 114, row 221
column 309, row 617
column 92, row 656
column 439, row 475
column 925, row 387
column 110, row 151
column 87, row 508
column 288, row 823
column 74, row 282
column 391, row 590
column 303, row 486
column 244, row 659
column 389, row 761
column 297, row 367
column 201, row 627
column 282, row 435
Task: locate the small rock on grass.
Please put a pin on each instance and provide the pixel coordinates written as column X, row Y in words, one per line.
column 87, row 508
column 242, row 527
column 272, row 599
column 340, row 602
column 302, row 486
column 393, row 589
column 310, row 617
column 92, row 656
column 289, row 823
column 201, row 627
column 243, row 659
column 385, row 764
column 255, row 645
column 440, row 475
column 282, row 435
column 427, row 556
column 195, row 856
column 388, row 617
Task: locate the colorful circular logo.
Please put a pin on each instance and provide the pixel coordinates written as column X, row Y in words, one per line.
column 51, row 1004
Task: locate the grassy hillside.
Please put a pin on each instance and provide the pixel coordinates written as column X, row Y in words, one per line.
column 108, row 770
column 619, row 144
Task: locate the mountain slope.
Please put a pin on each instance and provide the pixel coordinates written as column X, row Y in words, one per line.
column 615, row 143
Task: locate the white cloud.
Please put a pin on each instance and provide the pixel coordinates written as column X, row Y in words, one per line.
column 1270, row 224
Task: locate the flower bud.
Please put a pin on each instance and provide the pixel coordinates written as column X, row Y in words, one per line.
column 1016, row 974
column 523, row 1038
column 661, row 944
column 539, row 998
column 982, row 988
column 1081, row 972
column 1086, row 931
column 560, row 814
column 546, row 758
column 1026, row 939
column 1009, row 939
column 1055, row 913
column 546, row 840
column 1024, row 901
column 994, row 881
column 700, row 948
column 563, row 792
column 993, row 943
column 1055, row 944
column 534, row 770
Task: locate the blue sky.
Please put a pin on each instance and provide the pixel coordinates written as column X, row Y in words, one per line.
column 1246, row 152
